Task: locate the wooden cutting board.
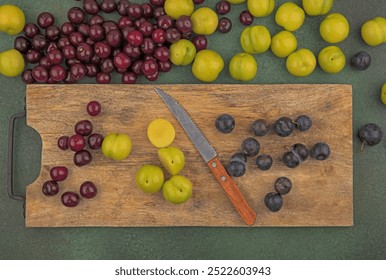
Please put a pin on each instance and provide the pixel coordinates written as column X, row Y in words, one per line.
column 322, row 193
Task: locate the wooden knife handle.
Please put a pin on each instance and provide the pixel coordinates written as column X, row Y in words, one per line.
column 232, row 191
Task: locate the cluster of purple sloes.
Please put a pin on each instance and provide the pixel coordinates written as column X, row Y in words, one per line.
column 298, row 153
column 76, row 143
column 250, row 147
column 274, row 200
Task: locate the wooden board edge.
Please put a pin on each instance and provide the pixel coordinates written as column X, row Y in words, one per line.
column 343, row 225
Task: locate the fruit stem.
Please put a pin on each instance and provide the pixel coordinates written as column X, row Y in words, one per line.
column 363, row 146
column 297, row 156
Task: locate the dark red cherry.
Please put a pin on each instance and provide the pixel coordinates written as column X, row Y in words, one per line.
column 50, row 188
column 82, row 158
column 95, row 141
column 135, row 38
column 63, row 143
column 94, row 108
column 45, row 20
column 83, row 127
column 88, row 190
column 76, row 142
column 59, row 173
column 70, row 199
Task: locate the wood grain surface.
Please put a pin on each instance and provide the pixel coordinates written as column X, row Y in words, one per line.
column 322, row 193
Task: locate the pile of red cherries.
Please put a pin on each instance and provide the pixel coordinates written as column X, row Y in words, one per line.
column 83, row 137
column 89, row 45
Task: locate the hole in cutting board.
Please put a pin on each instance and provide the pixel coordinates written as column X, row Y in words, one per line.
column 27, row 155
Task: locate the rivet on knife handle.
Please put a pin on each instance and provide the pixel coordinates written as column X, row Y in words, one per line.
column 232, row 191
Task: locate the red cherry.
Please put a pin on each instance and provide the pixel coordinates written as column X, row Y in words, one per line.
column 76, row 142
column 88, row 190
column 135, row 38
column 94, row 108
column 70, row 199
column 50, row 188
column 83, row 127
column 59, row 173
column 63, row 142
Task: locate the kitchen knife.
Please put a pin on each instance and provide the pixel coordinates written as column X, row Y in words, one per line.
column 210, row 156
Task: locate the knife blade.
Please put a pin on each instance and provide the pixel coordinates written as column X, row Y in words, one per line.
column 209, row 154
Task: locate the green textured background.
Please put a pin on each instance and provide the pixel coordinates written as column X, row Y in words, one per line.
column 365, row 240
